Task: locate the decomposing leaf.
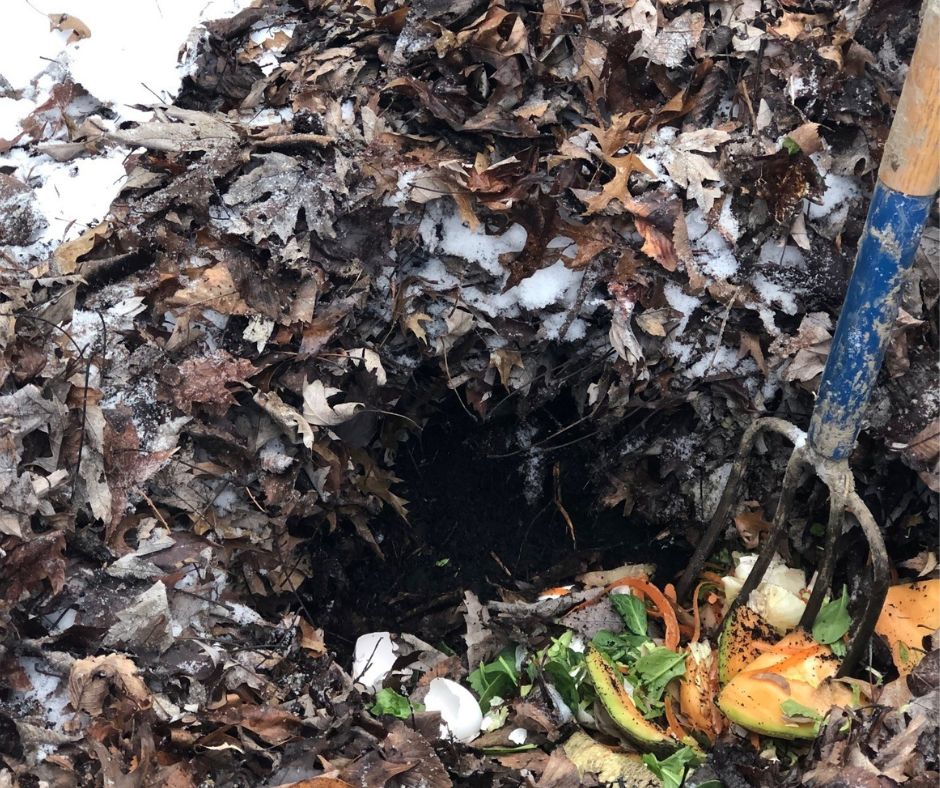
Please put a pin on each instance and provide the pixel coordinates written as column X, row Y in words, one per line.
column 751, row 525
column 27, row 563
column 211, row 288
column 204, row 381
column 94, row 680
column 267, row 201
column 181, row 130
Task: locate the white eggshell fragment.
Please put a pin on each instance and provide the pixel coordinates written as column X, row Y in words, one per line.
column 460, row 713
column 373, row 658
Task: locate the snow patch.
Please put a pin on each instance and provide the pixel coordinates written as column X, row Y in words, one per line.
column 682, row 302
column 713, row 253
column 552, row 325
column 550, row 285
column 133, row 53
column 72, row 196
column 444, row 232
column 774, row 293
column 47, row 693
column 840, row 192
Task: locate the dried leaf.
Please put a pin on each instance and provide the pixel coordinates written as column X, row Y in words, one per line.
column 26, row 564
column 213, row 288
column 94, row 679
column 204, row 380
column 68, row 22
column 266, row 201
column 319, row 412
column 185, row 130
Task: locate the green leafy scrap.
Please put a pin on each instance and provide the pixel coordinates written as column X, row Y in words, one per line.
column 791, row 146
column 652, row 671
column 833, row 620
column 632, row 610
column 565, row 668
column 496, row 679
column 387, row 701
column 622, row 647
column 672, row 770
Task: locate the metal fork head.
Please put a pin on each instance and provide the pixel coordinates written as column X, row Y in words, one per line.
column 838, row 478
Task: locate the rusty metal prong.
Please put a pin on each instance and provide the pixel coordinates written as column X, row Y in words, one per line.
column 879, row 585
column 778, row 527
column 839, row 482
column 729, row 495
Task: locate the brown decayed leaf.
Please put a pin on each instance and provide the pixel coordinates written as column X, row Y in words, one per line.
column 204, row 381
column 67, row 254
column 28, row 563
column 617, row 187
column 126, row 466
column 751, row 525
column 212, row 288
column 273, row 725
column 68, row 22
column 659, row 219
column 93, row 680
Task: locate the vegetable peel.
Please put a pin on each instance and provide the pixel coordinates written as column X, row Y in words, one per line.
column 910, row 612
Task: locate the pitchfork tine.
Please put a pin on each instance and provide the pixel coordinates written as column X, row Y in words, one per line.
column 900, row 205
column 838, row 491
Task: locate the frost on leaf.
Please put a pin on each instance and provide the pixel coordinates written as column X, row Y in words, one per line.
column 688, row 168
column 270, row 199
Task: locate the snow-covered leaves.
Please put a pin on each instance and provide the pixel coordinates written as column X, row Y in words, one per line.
column 689, row 168
column 267, row 200
column 347, row 228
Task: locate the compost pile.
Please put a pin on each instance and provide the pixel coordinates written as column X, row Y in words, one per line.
column 402, row 315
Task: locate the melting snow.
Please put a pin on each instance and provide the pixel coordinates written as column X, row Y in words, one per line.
column 75, row 195
column 682, row 302
column 773, row 293
column 444, row 232
column 841, row 191
column 547, row 286
column 47, row 692
column 714, row 254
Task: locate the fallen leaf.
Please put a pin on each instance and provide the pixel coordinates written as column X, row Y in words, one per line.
column 68, row 22
column 319, row 412
column 204, row 381
column 212, row 288
column 414, row 323
column 751, row 525
column 93, row 680
column 617, row 187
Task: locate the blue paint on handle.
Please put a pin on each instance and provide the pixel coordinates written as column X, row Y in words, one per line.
column 892, row 233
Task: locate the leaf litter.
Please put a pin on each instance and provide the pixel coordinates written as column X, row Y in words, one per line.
column 251, row 339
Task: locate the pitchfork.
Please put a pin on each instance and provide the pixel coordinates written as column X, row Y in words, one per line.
column 908, row 179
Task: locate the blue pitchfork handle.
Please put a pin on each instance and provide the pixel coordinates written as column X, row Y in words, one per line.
column 908, row 181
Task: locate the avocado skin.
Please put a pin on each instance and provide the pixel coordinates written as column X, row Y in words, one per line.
column 621, row 709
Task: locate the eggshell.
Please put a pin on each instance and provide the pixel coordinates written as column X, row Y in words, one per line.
column 373, row 657
column 461, row 717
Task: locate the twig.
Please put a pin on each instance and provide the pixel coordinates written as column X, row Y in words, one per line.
column 556, row 472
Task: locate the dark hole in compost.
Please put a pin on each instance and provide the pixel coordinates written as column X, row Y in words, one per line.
column 477, row 521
